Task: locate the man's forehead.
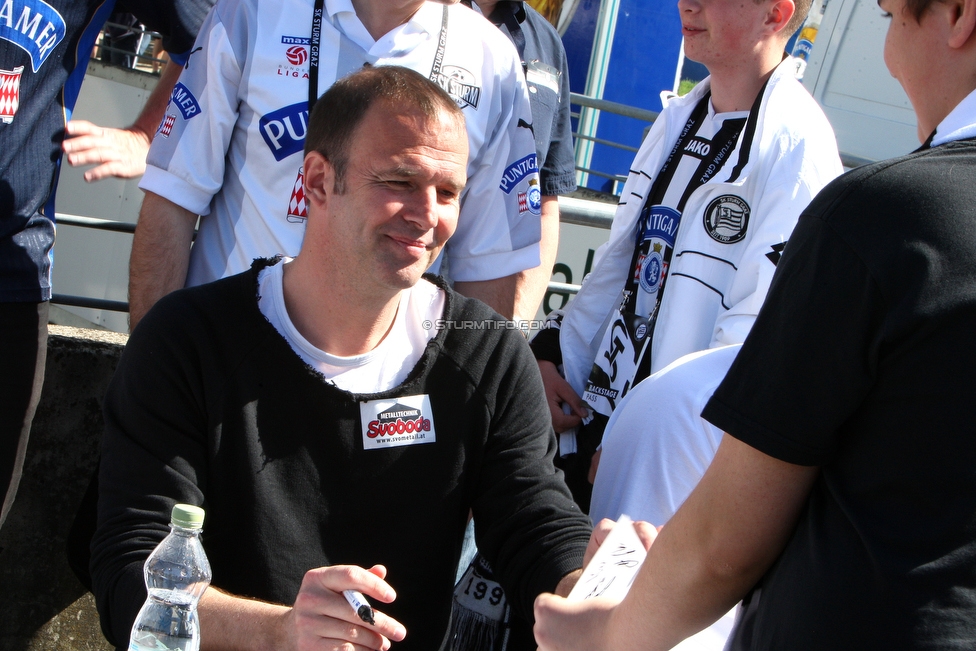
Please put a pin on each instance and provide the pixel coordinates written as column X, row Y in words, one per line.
column 405, row 145
column 390, row 108
column 412, row 120
column 448, row 158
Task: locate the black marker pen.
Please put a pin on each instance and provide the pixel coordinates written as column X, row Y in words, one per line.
column 360, row 605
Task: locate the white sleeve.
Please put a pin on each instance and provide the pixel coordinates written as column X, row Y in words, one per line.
column 798, row 175
column 499, row 227
column 186, row 159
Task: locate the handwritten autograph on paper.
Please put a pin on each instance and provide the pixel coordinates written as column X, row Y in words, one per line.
column 614, row 567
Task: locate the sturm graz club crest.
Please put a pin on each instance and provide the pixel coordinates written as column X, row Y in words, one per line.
column 460, row 84
column 727, row 218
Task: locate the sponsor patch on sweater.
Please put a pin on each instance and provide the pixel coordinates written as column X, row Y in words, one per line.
column 390, row 423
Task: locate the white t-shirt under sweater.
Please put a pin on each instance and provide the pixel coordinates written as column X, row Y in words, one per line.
column 382, row 368
column 230, row 145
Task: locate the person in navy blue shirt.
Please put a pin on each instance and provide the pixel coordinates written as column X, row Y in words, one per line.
column 44, row 51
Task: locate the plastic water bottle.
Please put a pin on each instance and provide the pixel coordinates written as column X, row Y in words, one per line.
column 177, row 573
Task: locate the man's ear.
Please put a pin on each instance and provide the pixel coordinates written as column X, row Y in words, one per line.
column 779, row 14
column 962, row 22
column 319, row 179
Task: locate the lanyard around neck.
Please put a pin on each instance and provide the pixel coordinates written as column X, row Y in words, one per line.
column 313, row 56
column 723, row 144
column 315, row 43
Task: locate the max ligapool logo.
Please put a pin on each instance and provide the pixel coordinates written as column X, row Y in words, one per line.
column 296, row 55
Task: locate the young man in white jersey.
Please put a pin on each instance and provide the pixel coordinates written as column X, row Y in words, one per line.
column 843, row 490
column 336, row 411
column 229, row 146
column 711, row 200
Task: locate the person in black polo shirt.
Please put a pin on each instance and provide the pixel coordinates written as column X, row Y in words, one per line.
column 844, row 488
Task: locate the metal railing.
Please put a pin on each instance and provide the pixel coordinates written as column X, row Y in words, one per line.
column 571, row 211
column 144, row 54
column 581, row 212
column 625, row 110
column 101, row 225
column 95, row 223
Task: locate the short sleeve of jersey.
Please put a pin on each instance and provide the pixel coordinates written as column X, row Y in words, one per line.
column 202, row 109
column 499, row 227
column 809, row 360
column 558, row 170
column 547, row 76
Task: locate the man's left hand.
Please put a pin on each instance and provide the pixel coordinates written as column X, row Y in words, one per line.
column 115, row 152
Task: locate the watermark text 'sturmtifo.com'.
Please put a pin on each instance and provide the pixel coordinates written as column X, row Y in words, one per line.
column 523, row 325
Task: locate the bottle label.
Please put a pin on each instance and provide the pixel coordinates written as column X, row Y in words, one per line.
column 803, row 47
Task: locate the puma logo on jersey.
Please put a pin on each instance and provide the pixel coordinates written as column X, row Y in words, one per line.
column 284, row 130
column 776, row 253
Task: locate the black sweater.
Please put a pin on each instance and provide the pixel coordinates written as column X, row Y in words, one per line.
column 211, row 406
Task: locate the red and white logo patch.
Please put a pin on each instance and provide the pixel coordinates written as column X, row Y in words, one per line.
column 523, row 202
column 297, row 55
column 166, row 126
column 9, row 93
column 395, row 422
column 297, row 211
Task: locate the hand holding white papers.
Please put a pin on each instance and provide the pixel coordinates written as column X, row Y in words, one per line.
column 614, row 566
